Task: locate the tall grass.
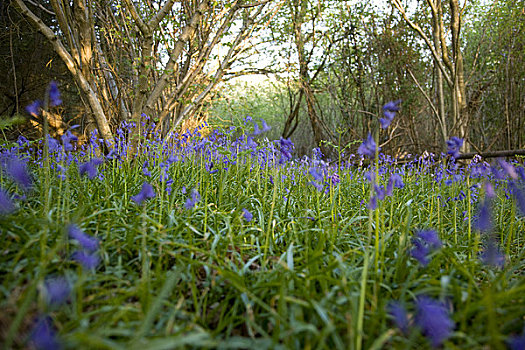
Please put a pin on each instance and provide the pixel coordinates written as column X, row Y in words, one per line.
column 316, row 266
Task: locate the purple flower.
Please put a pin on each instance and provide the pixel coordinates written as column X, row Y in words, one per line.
column 193, row 199
column 380, row 192
column 519, row 195
column 145, row 193
column 22, row 141
column 424, row 243
column 66, row 140
column 247, row 215
column 517, row 342
column 389, row 110
column 17, row 170
column 6, row 204
column 318, row 176
column 508, row 168
column 335, row 179
column 397, row 180
column 86, row 241
column 372, row 204
column 483, row 221
column 265, row 126
column 145, row 170
column 54, row 94
column 420, row 252
column 57, row 290
column 489, row 190
column 52, row 144
column 430, row 237
column 434, row 320
column 34, row 108
column 88, row 260
column 90, row 168
column 492, row 255
column 43, row 336
column 368, row 147
column 454, row 144
column 286, row 146
column 256, row 130
column 398, row 312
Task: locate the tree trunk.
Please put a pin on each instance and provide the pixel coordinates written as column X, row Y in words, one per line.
column 73, row 67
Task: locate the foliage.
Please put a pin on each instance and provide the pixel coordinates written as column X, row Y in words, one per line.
column 186, row 266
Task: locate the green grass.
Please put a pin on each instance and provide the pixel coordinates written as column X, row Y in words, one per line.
column 308, row 272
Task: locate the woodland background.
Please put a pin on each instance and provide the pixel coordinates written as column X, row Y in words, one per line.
column 317, row 71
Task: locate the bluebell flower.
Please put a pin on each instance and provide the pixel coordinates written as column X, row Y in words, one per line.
column 483, row 221
column 430, row 237
column 169, row 183
column 519, row 196
column 145, row 193
column 43, row 336
column 90, row 168
column 318, row 176
column 88, row 260
column 86, row 241
column 145, row 170
column 66, row 140
column 399, row 314
column 192, row 199
column 397, row 180
column 17, row 170
column 489, row 190
column 434, row 320
column 54, row 94
column 52, row 144
column 454, row 144
column 420, row 252
column 372, row 204
column 57, row 290
column 6, row 204
column 492, row 255
column 389, row 111
column 368, row 147
column 380, row 192
column 256, row 130
column 265, row 126
column 286, row 146
column 521, row 172
column 517, row 342
column 247, row 215
column 334, row 179
column 424, row 243
column 34, row 108
column 508, row 168
column 113, row 154
column 209, row 167
column 22, row 141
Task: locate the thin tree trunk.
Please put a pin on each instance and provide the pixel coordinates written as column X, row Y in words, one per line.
column 80, row 79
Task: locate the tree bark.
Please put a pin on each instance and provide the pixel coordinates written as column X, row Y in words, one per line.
column 80, row 79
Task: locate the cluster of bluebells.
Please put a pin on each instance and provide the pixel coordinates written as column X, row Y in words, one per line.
column 146, row 192
column 217, row 152
column 432, row 318
column 57, row 289
column 17, row 170
column 380, row 192
column 87, row 255
column 193, row 199
column 454, row 145
column 425, row 242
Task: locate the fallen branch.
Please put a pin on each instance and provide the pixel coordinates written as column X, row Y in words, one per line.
column 494, row 154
